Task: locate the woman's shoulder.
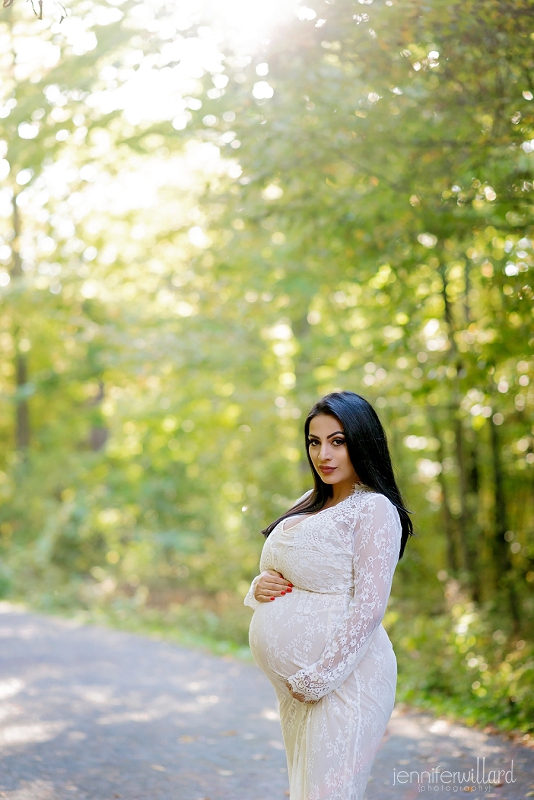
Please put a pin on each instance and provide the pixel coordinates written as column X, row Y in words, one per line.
column 304, row 497
column 377, row 512
column 368, row 499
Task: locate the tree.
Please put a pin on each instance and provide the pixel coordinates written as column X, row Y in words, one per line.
column 386, row 195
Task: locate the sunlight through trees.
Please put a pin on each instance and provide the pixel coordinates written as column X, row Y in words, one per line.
column 203, row 228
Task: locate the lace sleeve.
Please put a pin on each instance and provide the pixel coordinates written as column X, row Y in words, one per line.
column 250, row 600
column 376, row 554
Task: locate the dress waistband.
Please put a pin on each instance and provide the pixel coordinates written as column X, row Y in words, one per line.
column 329, row 593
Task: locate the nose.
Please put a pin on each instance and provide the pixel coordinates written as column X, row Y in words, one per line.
column 324, row 453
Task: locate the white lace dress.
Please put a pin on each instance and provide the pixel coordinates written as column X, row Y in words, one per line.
column 327, row 639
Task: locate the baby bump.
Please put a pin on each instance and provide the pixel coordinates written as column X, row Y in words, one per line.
column 291, row 632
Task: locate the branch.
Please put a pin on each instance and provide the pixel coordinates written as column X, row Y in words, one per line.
column 37, row 7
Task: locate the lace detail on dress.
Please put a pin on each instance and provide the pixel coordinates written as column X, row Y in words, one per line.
column 250, row 600
column 325, row 638
column 376, row 554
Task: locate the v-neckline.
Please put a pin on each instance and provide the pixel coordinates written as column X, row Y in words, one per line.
column 301, row 520
column 309, row 516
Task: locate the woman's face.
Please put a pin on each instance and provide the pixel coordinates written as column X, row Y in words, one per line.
column 328, row 451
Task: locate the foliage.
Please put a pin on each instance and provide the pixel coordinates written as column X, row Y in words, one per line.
column 184, row 272
column 468, row 668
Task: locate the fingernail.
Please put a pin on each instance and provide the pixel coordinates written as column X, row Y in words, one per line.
column 272, row 598
column 282, row 592
column 289, row 591
column 290, row 585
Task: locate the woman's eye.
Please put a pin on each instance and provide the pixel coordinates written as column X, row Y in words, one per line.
column 312, row 443
column 339, row 441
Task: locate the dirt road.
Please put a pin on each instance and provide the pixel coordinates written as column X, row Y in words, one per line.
column 96, row 714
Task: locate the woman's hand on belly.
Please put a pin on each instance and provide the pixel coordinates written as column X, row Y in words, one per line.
column 299, row 697
column 271, row 585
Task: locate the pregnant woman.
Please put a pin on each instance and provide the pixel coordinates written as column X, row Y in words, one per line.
column 326, row 573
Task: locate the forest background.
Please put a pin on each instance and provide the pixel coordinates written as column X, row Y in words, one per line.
column 210, row 216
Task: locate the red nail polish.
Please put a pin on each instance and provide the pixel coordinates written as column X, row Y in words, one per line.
column 272, row 598
column 290, row 585
column 282, row 592
column 289, row 591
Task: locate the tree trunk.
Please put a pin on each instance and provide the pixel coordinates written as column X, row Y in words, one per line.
column 503, row 564
column 468, row 562
column 451, row 533
column 98, row 434
column 22, row 411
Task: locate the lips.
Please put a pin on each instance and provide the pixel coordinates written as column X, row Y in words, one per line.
column 327, row 470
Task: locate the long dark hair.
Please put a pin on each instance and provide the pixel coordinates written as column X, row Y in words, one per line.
column 369, row 454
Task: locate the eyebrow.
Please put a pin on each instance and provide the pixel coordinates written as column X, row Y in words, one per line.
column 311, row 436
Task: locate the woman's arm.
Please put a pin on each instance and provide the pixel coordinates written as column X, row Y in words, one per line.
column 376, row 554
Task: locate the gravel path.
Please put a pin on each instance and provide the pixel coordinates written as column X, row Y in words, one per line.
column 96, row 714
